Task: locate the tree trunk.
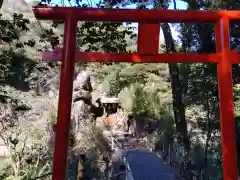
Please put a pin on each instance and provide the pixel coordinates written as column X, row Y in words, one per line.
column 1, row 3
column 177, row 91
column 209, row 126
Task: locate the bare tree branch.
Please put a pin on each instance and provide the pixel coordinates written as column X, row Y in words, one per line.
column 1, row 3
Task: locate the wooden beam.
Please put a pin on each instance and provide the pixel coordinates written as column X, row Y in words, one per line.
column 133, row 15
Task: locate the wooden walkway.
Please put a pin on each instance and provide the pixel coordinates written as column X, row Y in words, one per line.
column 147, row 165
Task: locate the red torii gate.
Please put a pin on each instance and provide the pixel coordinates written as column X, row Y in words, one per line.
column 147, row 51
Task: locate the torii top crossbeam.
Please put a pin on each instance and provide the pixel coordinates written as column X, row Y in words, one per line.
column 132, row 15
column 147, row 51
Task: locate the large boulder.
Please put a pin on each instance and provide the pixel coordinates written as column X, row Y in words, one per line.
column 82, row 102
column 19, row 6
column 83, row 81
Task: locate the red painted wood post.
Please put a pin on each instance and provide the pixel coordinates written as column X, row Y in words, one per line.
column 226, row 108
column 65, row 99
column 148, row 38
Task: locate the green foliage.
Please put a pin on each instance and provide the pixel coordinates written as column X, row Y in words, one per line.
column 150, row 96
column 237, row 99
column 102, row 36
column 12, row 71
column 27, row 152
column 111, row 84
column 202, row 94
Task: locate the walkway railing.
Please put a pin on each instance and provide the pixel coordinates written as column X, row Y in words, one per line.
column 115, row 144
column 119, row 146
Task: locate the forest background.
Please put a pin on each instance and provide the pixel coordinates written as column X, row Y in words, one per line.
column 183, row 96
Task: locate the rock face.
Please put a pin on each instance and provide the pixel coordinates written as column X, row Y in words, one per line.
column 82, row 102
column 113, row 122
column 36, row 27
column 19, row 6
